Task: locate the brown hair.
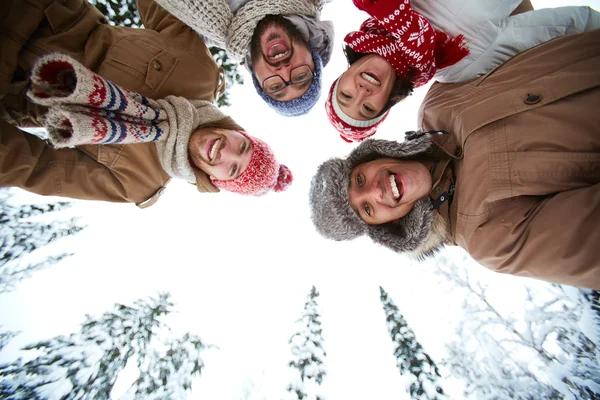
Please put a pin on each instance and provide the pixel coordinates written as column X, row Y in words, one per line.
column 402, row 88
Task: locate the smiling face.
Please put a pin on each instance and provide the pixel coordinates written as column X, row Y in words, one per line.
column 276, row 49
column 386, row 189
column 365, row 87
column 223, row 154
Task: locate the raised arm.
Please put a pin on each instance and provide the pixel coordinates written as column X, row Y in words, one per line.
column 121, row 173
column 210, row 20
column 155, row 17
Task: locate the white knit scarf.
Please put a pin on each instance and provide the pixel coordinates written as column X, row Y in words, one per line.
column 214, row 20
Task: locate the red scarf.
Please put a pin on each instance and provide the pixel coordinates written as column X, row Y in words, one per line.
column 405, row 39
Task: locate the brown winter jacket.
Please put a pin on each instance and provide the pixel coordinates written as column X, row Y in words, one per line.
column 527, row 178
column 166, row 58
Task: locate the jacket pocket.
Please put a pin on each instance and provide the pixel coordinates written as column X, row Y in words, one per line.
column 150, row 65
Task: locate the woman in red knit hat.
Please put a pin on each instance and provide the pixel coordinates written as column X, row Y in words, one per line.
column 400, row 48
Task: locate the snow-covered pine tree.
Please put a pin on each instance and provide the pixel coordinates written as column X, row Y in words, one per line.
column 308, row 355
column 20, row 236
column 551, row 351
column 167, row 374
column 6, row 391
column 419, row 370
column 85, row 365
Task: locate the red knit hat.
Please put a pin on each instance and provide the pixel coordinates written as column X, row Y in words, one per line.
column 351, row 130
column 262, row 174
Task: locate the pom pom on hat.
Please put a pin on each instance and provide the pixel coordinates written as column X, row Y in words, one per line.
column 350, row 129
column 300, row 105
column 262, row 174
column 284, row 179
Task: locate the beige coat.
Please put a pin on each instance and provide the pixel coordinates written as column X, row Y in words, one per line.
column 166, row 58
column 527, row 178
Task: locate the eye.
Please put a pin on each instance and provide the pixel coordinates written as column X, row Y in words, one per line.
column 367, row 210
column 233, row 171
column 359, row 180
column 344, row 95
column 243, row 148
column 300, row 77
column 369, row 109
column 275, row 87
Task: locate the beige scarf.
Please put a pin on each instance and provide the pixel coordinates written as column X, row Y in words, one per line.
column 214, row 20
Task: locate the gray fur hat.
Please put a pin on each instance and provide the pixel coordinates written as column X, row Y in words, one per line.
column 333, row 216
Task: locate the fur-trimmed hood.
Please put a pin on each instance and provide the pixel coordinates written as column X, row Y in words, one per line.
column 418, row 234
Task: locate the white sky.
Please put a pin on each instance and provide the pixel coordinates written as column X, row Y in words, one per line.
column 239, row 269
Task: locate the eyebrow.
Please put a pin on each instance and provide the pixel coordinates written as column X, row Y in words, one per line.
column 281, row 93
column 305, row 84
column 363, row 115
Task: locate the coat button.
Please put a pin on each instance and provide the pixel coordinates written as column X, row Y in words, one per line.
column 156, row 65
column 532, row 99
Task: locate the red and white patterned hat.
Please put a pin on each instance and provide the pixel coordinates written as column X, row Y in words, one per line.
column 350, row 129
column 262, row 174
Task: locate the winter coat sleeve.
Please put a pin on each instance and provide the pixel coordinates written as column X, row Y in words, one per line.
column 88, row 172
column 160, row 20
column 155, row 17
column 554, row 238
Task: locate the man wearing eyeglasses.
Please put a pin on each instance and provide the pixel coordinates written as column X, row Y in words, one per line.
column 283, row 43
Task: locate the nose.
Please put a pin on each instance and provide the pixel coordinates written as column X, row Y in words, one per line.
column 363, row 88
column 285, row 72
column 375, row 192
column 369, row 193
column 227, row 153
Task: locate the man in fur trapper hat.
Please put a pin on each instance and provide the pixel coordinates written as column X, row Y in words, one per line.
column 511, row 174
column 283, row 43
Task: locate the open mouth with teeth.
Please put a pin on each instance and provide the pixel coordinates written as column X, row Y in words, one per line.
column 396, row 186
column 278, row 51
column 212, row 149
column 370, row 78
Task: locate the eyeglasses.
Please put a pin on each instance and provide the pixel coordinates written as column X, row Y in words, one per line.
column 275, row 83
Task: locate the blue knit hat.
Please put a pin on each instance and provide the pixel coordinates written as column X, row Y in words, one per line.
column 301, row 105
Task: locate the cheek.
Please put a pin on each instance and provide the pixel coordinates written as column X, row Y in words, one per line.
column 260, row 71
column 380, row 99
column 344, row 83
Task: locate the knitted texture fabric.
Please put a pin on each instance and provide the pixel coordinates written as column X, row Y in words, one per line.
column 333, row 216
column 85, row 108
column 300, row 105
column 408, row 42
column 262, row 174
column 405, row 39
column 214, row 20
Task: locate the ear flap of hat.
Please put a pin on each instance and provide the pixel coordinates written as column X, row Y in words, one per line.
column 331, row 212
column 407, row 234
